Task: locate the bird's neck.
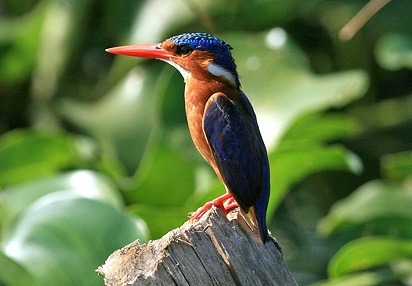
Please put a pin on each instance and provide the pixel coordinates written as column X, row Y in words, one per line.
column 198, row 91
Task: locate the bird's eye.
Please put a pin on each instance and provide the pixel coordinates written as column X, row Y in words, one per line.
column 184, row 50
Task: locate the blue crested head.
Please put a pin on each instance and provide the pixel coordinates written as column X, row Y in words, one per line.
column 206, row 42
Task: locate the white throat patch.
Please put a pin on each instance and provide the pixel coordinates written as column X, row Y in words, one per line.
column 219, row 71
column 182, row 71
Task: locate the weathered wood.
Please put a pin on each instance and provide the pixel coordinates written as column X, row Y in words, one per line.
column 215, row 250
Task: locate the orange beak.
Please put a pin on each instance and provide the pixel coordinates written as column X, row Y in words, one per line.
column 149, row 51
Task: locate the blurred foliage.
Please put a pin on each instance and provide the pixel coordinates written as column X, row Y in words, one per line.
column 95, row 152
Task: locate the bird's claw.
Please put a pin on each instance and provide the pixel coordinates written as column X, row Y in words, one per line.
column 225, row 202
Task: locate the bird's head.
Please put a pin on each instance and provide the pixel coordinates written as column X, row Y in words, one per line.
column 198, row 55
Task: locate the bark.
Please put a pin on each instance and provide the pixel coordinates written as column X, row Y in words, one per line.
column 215, row 250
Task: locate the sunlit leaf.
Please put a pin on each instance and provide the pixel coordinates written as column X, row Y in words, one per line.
column 173, row 14
column 27, row 155
column 123, row 120
column 88, row 184
column 367, row 253
column 318, row 127
column 165, row 209
column 301, row 152
column 13, row 274
column 291, row 164
column 394, row 51
column 373, row 200
column 69, row 237
column 165, row 177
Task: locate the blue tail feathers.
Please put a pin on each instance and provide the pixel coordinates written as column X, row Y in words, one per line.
column 259, row 211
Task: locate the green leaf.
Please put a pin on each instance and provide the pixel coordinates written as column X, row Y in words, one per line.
column 367, row 253
column 14, row 199
column 19, row 40
column 397, row 166
column 26, row 155
column 291, row 164
column 365, row 278
column 13, row 274
column 165, row 177
column 394, row 51
column 371, row 201
column 60, row 33
column 318, row 127
column 62, row 238
column 159, row 220
column 162, row 219
column 123, row 120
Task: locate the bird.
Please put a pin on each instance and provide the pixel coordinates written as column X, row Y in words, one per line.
column 221, row 120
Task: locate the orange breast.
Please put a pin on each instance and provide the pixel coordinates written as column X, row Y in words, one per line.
column 197, row 94
column 195, row 101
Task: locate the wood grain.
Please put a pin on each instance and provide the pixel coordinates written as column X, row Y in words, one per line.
column 215, row 250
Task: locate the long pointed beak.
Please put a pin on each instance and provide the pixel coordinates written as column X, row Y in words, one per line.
column 150, row 51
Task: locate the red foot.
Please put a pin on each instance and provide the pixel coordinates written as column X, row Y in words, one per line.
column 230, row 204
column 225, row 202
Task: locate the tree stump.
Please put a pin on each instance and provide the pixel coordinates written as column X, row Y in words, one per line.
column 215, row 250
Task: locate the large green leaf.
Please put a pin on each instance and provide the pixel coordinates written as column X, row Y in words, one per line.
column 367, row 253
column 374, row 200
column 26, row 155
column 62, row 238
column 318, row 127
column 165, row 204
column 88, row 184
column 302, row 151
column 123, row 120
column 291, row 164
column 12, row 273
column 165, row 177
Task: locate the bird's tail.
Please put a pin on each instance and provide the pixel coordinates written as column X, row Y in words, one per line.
column 258, row 215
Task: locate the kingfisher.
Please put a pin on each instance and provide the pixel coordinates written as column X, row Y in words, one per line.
column 221, row 120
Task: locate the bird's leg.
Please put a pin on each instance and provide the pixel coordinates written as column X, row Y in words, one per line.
column 225, row 202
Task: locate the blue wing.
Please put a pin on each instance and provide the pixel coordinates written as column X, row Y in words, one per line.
column 238, row 149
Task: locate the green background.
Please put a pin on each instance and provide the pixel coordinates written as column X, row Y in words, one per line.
column 95, row 151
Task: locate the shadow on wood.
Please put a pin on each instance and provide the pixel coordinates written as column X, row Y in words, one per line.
column 215, row 250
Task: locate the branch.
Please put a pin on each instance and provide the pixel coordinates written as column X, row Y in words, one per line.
column 215, row 250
